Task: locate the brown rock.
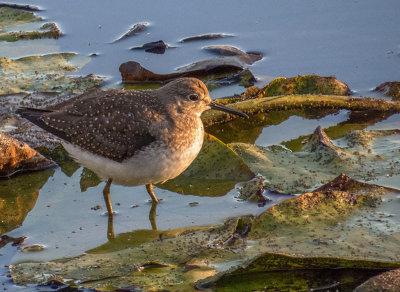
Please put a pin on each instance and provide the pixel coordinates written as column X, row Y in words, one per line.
column 17, row 156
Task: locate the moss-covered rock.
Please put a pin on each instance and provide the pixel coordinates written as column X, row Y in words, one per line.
column 306, row 84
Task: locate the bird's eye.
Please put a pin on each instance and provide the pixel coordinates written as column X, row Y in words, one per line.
column 194, row 97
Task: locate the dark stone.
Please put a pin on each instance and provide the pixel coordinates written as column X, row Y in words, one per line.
column 210, row 36
column 157, row 47
column 20, row 6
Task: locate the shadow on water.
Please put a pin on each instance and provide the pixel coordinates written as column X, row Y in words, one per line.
column 343, row 280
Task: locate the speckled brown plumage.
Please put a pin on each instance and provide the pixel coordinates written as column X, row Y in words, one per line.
column 117, row 123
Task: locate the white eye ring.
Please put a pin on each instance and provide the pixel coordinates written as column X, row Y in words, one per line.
column 194, row 97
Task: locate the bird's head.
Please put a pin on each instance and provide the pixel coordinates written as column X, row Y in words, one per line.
column 191, row 94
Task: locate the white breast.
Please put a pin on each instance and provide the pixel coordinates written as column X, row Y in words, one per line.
column 155, row 163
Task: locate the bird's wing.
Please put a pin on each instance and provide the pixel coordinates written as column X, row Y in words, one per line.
column 112, row 123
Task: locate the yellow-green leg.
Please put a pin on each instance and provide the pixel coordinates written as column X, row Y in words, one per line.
column 153, row 210
column 150, row 190
column 106, row 195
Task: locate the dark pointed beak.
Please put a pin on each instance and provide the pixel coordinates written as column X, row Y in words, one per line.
column 220, row 107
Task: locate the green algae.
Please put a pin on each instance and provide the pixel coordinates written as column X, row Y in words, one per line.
column 305, row 84
column 18, row 196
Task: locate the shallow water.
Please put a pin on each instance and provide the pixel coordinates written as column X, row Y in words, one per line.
column 357, row 41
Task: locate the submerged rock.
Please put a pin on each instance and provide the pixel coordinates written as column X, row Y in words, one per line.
column 19, row 157
column 135, row 29
column 210, row 36
column 391, row 89
column 306, row 84
column 157, row 47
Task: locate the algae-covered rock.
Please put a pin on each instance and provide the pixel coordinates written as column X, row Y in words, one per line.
column 214, row 172
column 17, row 157
column 320, row 161
column 391, row 89
column 306, row 84
column 44, row 73
column 10, row 17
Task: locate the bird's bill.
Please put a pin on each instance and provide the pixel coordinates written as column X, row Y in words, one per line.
column 220, row 107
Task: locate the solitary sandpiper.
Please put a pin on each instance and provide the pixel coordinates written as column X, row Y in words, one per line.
column 132, row 137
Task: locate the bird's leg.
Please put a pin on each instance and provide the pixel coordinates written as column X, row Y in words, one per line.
column 150, row 190
column 152, row 215
column 153, row 210
column 106, row 194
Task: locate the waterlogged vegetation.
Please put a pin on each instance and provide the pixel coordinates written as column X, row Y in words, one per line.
column 316, row 208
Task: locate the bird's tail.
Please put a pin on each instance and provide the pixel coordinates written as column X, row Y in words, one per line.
column 32, row 114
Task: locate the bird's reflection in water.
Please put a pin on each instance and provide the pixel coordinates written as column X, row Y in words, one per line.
column 110, row 214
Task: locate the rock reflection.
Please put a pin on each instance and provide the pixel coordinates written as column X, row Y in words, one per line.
column 18, row 196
